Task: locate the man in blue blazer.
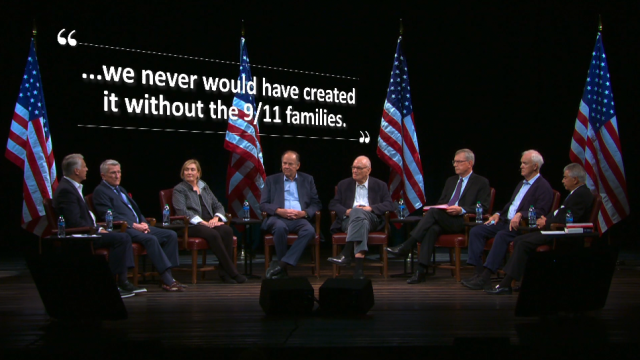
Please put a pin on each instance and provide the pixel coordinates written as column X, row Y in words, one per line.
column 291, row 201
column 579, row 202
column 69, row 203
column 360, row 204
column 503, row 225
column 161, row 244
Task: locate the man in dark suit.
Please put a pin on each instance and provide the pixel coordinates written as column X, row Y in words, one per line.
column 69, row 203
column 360, row 204
column 291, row 201
column 503, row 225
column 161, row 244
column 578, row 202
column 461, row 194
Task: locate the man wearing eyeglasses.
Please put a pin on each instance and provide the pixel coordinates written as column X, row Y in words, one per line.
column 360, row 204
column 461, row 193
column 290, row 199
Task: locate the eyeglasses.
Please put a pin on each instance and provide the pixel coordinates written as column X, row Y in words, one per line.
column 456, row 162
column 359, row 168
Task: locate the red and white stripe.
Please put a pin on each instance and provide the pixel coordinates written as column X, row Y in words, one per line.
column 601, row 156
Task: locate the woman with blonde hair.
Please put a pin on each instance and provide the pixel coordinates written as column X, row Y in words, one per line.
column 194, row 199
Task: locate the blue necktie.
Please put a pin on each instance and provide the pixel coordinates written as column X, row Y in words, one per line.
column 126, row 201
column 456, row 194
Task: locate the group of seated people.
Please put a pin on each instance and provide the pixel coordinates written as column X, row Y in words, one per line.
column 290, row 200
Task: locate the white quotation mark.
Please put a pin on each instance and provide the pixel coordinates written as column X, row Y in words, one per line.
column 363, row 139
column 69, row 39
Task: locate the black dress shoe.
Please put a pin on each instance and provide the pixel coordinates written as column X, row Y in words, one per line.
column 340, row 260
column 274, row 269
column 281, row 275
column 418, row 277
column 477, row 284
column 359, row 275
column 465, row 281
column 400, row 251
column 499, row 290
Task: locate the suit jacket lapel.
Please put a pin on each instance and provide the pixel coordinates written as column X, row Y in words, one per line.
column 351, row 194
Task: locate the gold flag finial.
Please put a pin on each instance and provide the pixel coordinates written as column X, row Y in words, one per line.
column 34, row 31
column 599, row 22
column 242, row 29
column 401, row 28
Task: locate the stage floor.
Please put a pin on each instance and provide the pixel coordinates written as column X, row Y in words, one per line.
column 439, row 314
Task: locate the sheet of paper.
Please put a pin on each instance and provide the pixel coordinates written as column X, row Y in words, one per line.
column 435, row 207
column 552, row 232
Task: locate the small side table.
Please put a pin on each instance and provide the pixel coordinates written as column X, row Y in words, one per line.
column 407, row 222
column 248, row 252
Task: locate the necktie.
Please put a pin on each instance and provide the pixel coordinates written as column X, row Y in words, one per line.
column 456, row 194
column 126, row 201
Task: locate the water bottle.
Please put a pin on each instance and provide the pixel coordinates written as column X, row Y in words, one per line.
column 401, row 208
column 165, row 215
column 479, row 213
column 109, row 220
column 246, row 215
column 61, row 230
column 569, row 217
column 532, row 217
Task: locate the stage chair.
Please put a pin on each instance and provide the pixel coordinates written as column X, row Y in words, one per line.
column 456, row 242
column 291, row 238
column 380, row 238
column 52, row 219
column 190, row 243
column 138, row 249
column 593, row 218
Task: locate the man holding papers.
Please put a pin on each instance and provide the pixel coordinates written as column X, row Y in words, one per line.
column 579, row 202
column 460, row 195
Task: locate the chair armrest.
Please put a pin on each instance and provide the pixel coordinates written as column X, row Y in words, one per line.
column 151, row 221
column 228, row 216
column 122, row 225
column 333, row 216
column 80, row 230
column 556, row 226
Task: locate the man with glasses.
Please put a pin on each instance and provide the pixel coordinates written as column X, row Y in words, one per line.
column 461, row 193
column 360, row 204
column 291, row 200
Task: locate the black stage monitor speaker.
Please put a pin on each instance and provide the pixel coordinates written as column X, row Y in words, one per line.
column 75, row 287
column 572, row 282
column 346, row 296
column 286, row 296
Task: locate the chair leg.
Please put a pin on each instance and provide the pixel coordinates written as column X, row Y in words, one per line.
column 267, row 257
column 194, row 266
column 452, row 261
column 317, row 257
column 235, row 256
column 385, row 263
column 458, row 264
column 136, row 268
column 204, row 262
column 334, row 253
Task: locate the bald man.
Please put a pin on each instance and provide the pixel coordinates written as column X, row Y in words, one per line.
column 360, row 204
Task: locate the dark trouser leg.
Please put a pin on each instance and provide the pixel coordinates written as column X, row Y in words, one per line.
column 120, row 252
column 478, row 237
column 280, row 231
column 499, row 249
column 154, row 250
column 306, row 234
column 426, row 248
column 523, row 246
column 220, row 239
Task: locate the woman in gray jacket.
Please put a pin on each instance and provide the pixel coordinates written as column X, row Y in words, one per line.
column 193, row 198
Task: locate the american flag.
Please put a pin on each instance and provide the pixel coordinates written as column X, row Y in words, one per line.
column 398, row 143
column 245, row 173
column 596, row 143
column 29, row 147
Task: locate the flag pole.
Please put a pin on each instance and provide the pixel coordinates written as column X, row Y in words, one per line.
column 403, row 192
column 599, row 23
column 34, row 32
